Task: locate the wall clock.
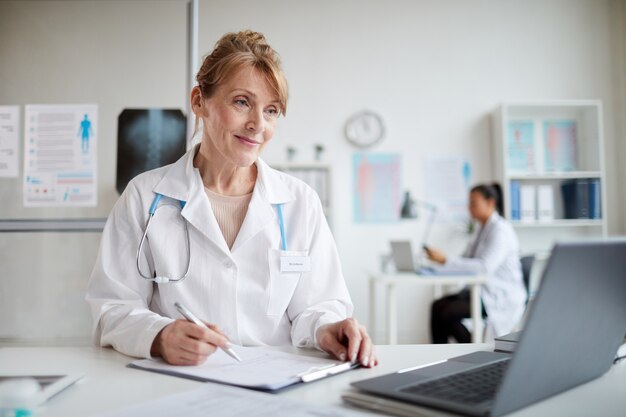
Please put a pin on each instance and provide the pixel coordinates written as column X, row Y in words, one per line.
column 365, row 129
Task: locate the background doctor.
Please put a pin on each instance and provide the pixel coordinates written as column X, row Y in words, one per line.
column 234, row 203
column 492, row 250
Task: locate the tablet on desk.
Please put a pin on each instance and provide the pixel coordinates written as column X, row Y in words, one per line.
column 50, row 384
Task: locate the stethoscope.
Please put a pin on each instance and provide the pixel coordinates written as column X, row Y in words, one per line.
column 163, row 279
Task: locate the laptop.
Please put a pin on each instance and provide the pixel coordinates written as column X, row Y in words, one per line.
column 404, row 260
column 403, row 257
column 572, row 333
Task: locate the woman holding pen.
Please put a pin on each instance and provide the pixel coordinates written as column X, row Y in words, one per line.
column 239, row 244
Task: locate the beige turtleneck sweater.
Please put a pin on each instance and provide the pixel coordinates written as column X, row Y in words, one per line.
column 229, row 212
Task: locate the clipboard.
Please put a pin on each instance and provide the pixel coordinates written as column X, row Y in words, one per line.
column 261, row 368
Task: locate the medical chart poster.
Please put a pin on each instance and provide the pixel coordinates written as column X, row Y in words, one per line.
column 9, row 140
column 447, row 181
column 560, row 148
column 60, row 155
column 377, row 186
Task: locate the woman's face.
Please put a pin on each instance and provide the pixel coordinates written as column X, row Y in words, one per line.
column 239, row 118
column 480, row 208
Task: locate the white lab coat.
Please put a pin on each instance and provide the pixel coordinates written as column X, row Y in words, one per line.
column 497, row 256
column 241, row 290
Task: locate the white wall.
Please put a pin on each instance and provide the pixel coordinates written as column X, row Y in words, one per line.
column 118, row 54
column 435, row 71
column 618, row 38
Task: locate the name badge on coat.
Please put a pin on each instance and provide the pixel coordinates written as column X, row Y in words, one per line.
column 294, row 261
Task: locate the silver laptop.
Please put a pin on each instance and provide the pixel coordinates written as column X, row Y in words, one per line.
column 576, row 324
column 405, row 261
column 403, row 256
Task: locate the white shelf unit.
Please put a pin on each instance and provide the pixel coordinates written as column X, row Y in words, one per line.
column 317, row 177
column 584, row 159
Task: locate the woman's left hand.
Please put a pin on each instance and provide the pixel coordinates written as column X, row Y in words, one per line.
column 435, row 255
column 347, row 340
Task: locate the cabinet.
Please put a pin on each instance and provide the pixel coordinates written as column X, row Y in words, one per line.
column 317, row 177
column 549, row 159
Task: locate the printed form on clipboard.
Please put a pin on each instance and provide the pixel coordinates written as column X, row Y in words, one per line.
column 261, row 368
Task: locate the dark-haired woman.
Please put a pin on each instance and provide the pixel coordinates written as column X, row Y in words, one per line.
column 493, row 251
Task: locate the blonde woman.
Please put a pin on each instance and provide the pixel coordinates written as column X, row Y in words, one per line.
column 245, row 247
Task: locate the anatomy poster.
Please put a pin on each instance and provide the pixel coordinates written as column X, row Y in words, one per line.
column 376, row 187
column 60, row 155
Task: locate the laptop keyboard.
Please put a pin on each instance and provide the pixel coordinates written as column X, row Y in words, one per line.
column 470, row 387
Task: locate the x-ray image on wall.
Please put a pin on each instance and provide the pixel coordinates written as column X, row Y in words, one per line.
column 148, row 139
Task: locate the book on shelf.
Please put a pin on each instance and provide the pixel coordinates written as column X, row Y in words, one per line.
column 507, row 342
column 560, row 145
column 528, row 206
column 521, row 146
column 545, row 203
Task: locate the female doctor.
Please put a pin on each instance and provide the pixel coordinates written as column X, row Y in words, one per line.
column 243, row 246
column 492, row 250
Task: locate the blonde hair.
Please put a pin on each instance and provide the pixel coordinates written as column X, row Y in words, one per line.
column 242, row 49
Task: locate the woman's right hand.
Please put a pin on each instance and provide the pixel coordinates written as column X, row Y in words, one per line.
column 184, row 343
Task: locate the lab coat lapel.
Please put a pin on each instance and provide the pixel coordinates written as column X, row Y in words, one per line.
column 183, row 182
column 478, row 238
column 269, row 190
column 485, row 233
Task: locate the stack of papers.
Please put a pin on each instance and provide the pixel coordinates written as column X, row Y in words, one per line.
column 507, row 342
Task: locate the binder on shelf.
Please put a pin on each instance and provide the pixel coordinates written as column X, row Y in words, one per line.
column 528, row 206
column 576, row 198
column 595, row 210
column 545, row 203
column 515, row 203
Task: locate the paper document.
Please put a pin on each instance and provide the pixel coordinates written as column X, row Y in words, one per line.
column 260, row 368
column 221, row 401
column 447, row 186
column 9, row 140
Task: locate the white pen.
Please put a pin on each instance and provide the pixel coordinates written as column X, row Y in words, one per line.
column 189, row 316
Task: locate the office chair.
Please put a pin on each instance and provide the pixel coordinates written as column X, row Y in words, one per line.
column 527, row 264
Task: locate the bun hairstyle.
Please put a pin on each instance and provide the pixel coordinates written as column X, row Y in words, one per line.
column 491, row 191
column 246, row 49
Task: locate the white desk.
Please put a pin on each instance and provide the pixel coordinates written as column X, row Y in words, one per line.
column 390, row 281
column 109, row 385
